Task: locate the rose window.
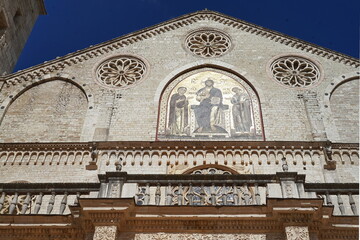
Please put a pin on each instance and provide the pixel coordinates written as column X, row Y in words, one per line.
column 295, row 71
column 121, row 71
column 208, row 43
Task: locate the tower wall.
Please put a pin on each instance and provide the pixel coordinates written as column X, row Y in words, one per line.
column 17, row 18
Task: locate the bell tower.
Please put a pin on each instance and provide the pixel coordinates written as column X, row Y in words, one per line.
column 17, row 18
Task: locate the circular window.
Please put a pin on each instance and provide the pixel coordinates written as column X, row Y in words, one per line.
column 295, row 71
column 208, row 43
column 120, row 71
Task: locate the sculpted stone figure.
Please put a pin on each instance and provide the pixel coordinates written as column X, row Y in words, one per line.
column 178, row 114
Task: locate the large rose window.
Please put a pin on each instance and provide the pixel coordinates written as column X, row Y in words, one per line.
column 208, row 43
column 295, row 71
column 120, row 72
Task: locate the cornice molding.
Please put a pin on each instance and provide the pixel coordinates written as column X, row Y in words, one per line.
column 174, row 145
column 128, row 217
column 61, row 63
column 226, row 225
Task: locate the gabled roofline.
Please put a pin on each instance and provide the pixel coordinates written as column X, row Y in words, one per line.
column 60, row 63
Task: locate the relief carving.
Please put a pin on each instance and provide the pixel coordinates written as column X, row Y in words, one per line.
column 297, row 233
column 105, row 233
column 196, row 236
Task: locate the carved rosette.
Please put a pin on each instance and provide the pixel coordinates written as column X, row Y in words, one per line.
column 105, row 233
column 208, row 43
column 120, row 72
column 294, row 71
column 297, row 233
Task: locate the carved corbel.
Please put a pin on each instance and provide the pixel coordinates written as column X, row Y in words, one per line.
column 330, row 163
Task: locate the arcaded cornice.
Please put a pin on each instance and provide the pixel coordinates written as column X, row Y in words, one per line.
column 97, row 50
column 176, row 145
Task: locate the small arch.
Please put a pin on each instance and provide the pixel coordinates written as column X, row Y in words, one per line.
column 216, row 166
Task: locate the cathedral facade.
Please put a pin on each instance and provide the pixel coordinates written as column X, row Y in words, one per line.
column 200, row 127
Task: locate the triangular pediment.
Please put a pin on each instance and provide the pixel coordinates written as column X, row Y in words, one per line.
column 171, row 25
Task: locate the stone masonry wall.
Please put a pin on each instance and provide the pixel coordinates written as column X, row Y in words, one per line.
column 132, row 113
column 52, row 111
column 344, row 104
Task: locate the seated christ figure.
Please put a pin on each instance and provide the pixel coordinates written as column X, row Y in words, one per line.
column 207, row 113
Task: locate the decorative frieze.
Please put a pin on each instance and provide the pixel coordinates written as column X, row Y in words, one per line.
column 197, row 236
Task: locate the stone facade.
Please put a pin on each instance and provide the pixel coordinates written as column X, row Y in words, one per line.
column 17, row 18
column 203, row 110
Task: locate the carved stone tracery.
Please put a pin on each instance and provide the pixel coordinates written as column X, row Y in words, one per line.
column 197, row 236
column 120, row 72
column 208, row 43
column 294, row 71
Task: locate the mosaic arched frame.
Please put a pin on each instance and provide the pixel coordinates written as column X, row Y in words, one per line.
column 205, row 119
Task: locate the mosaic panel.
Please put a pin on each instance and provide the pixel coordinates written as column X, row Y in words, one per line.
column 209, row 104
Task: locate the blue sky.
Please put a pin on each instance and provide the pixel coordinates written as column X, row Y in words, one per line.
column 72, row 25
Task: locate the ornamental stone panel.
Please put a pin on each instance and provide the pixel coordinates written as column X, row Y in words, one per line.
column 198, row 236
column 105, row 233
column 297, row 233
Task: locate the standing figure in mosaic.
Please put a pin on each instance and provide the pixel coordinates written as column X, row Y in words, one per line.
column 241, row 110
column 178, row 114
column 207, row 113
